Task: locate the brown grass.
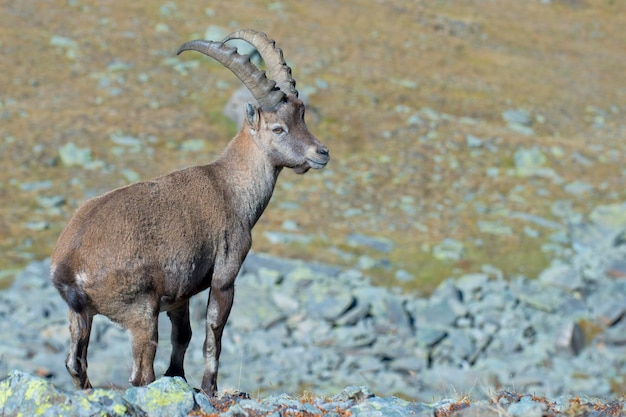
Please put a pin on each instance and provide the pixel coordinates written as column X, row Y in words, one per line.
column 466, row 59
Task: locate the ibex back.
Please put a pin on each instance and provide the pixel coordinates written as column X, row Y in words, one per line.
column 148, row 247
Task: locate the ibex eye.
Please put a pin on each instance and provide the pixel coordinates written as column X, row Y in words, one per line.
column 278, row 130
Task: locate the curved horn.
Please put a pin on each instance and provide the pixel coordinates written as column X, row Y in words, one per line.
column 273, row 57
column 263, row 89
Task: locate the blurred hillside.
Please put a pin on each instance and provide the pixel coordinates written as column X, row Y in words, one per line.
column 463, row 135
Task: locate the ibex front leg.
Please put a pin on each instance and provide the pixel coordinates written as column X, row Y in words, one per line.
column 220, row 303
column 181, row 335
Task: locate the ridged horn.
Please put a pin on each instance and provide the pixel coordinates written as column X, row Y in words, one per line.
column 263, row 89
column 277, row 68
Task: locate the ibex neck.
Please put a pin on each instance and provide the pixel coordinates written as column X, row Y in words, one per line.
column 250, row 175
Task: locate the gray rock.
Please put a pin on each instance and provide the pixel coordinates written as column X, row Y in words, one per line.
column 355, row 314
column 563, row 276
column 353, row 393
column 254, row 309
column 380, row 244
column 235, row 410
column 544, row 301
column 616, row 268
column 72, row 155
column 31, row 395
column 375, row 407
column 570, row 338
column 480, row 410
column 283, row 238
column 578, row 187
column 36, row 185
column 615, row 335
column 449, row 250
column 531, row 162
column 494, row 228
column 440, row 313
column 404, row 276
column 409, row 364
column 473, row 142
column 610, row 216
column 471, row 284
column 526, row 407
column 447, row 290
column 164, row 397
column 519, row 120
column 285, row 302
column 349, row 337
column 387, row 311
column 429, row 336
column 327, row 303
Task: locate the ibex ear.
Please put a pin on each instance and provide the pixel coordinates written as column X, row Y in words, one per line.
column 252, row 114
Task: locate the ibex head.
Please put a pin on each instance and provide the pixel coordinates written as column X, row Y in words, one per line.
column 277, row 123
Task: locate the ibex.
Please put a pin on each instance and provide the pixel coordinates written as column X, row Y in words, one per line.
column 148, row 247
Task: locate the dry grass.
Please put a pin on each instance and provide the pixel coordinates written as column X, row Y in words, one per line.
column 382, row 62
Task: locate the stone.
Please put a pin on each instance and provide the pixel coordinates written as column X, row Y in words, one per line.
column 356, row 313
column 167, row 396
column 562, row 275
column 388, row 407
column 327, row 303
column 72, row 155
column 429, row 336
column 531, row 162
column 570, row 338
column 253, row 309
column 480, row 410
column 284, row 238
column 36, row 185
column 473, row 142
column 30, row 395
column 578, row 187
column 235, row 410
column 526, row 407
column 192, row 145
column 409, row 364
column 609, row 216
column 379, row 244
column 203, row 403
column 355, row 336
column 440, row 313
column 470, row 284
column 285, row 302
column 494, row 228
column 518, row 120
column 449, row 250
column 353, row 393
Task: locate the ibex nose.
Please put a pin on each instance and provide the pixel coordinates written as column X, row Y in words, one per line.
column 322, row 150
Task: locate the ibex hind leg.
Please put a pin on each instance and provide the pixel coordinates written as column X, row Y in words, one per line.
column 142, row 324
column 181, row 336
column 76, row 363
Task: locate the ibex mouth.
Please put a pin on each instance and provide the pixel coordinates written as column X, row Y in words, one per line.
column 310, row 163
column 317, row 164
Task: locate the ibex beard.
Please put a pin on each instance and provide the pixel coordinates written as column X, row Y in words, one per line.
column 148, row 247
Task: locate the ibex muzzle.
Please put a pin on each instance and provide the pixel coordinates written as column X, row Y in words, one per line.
column 148, row 247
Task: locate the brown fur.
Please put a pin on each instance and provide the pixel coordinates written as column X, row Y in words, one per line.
column 148, row 247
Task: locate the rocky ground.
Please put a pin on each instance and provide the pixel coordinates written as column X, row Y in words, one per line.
column 173, row 397
column 298, row 327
